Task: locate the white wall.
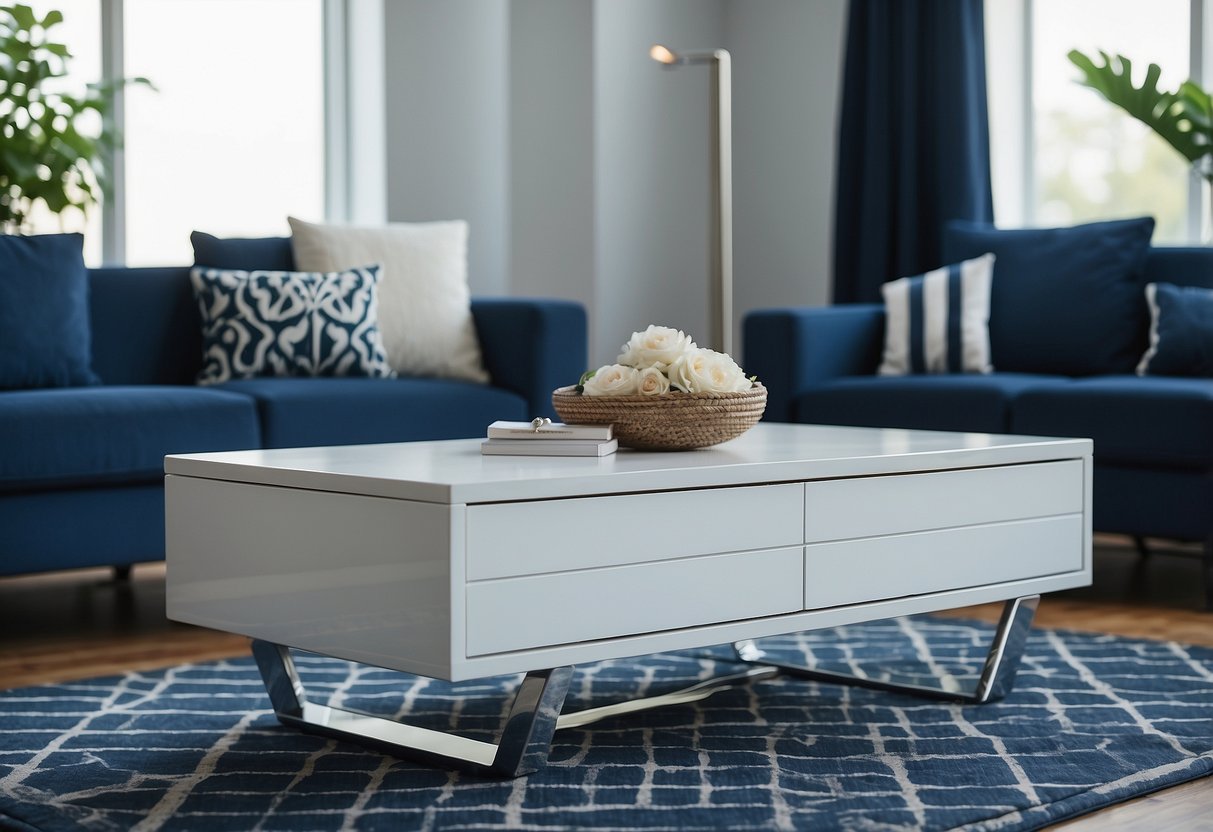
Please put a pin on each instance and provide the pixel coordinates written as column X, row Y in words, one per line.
column 583, row 166
column 651, row 170
column 787, row 78
column 551, row 138
column 447, row 124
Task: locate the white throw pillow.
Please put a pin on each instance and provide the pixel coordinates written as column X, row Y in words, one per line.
column 938, row 322
column 425, row 314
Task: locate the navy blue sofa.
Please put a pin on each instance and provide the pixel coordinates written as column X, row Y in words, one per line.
column 81, row 469
column 1153, row 435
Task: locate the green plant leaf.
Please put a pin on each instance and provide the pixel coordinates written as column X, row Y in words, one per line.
column 1174, row 116
column 23, row 16
column 53, row 148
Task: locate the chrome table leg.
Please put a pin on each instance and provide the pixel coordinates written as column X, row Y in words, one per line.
column 997, row 676
column 694, row 693
column 527, row 735
column 522, row 748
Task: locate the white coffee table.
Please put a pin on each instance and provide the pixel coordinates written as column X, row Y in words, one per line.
column 429, row 558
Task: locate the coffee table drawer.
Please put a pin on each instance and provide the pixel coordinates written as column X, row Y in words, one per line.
column 528, row 538
column 568, row 607
column 893, row 566
column 870, row 506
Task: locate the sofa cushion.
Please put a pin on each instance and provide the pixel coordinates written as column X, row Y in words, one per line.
column 269, row 253
column 938, row 322
column 927, row 402
column 1153, row 421
column 146, row 328
column 424, row 299
column 1064, row 300
column 303, row 412
column 91, row 435
column 264, row 323
column 44, row 323
column 1181, row 331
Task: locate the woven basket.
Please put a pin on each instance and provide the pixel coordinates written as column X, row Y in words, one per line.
column 670, row 422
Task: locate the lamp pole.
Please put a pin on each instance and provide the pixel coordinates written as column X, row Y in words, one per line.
column 720, row 301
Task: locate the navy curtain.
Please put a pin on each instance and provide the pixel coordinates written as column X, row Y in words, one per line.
column 913, row 143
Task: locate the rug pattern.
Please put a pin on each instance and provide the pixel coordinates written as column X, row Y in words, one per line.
column 1092, row 720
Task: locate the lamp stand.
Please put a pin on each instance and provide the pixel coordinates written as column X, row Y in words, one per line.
column 720, row 297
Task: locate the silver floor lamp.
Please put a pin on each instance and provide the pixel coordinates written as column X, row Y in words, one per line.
column 721, row 297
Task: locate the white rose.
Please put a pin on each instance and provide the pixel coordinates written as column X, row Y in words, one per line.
column 708, row 371
column 612, row 380
column 657, row 346
column 652, row 382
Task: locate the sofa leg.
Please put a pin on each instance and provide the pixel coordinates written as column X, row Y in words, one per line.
column 122, row 574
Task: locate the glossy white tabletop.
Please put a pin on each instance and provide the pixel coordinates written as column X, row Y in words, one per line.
column 454, row 471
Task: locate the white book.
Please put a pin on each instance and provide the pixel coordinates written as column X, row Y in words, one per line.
column 572, row 447
column 548, row 431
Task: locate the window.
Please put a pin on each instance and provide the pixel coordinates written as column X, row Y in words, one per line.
column 233, row 140
column 1079, row 157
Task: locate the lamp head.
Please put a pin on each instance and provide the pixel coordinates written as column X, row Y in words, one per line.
column 668, row 58
column 663, row 55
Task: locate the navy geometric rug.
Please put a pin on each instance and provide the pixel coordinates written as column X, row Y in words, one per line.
column 1093, row 720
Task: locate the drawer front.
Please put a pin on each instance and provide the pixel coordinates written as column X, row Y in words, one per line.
column 876, row 568
column 544, row 610
column 870, row 506
column 531, row 538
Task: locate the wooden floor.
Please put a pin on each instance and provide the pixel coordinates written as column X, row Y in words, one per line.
column 76, row 625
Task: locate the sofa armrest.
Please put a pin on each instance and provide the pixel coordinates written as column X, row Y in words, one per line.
column 793, row 349
column 531, row 346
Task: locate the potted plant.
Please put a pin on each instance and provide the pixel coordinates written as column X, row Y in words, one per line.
column 53, row 145
column 1183, row 118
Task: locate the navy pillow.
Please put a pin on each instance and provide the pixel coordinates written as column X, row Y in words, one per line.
column 247, row 253
column 1181, row 331
column 44, row 323
column 1064, row 300
column 272, row 323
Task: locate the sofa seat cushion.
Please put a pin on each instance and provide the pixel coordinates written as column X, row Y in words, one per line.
column 1154, row 421
column 69, row 437
column 971, row 403
column 304, row 412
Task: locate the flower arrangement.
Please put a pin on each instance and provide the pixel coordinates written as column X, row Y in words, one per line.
column 663, row 360
column 664, row 393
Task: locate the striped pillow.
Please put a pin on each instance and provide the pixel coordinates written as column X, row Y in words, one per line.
column 938, row 322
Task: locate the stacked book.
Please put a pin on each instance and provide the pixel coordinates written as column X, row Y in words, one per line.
column 546, row 438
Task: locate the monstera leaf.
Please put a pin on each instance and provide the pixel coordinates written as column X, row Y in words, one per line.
column 1184, row 118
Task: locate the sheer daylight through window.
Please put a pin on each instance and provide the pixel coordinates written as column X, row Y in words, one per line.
column 1091, row 160
column 239, row 109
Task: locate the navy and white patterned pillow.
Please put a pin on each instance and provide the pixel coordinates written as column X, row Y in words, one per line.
column 1181, row 331
column 270, row 323
column 939, row 322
